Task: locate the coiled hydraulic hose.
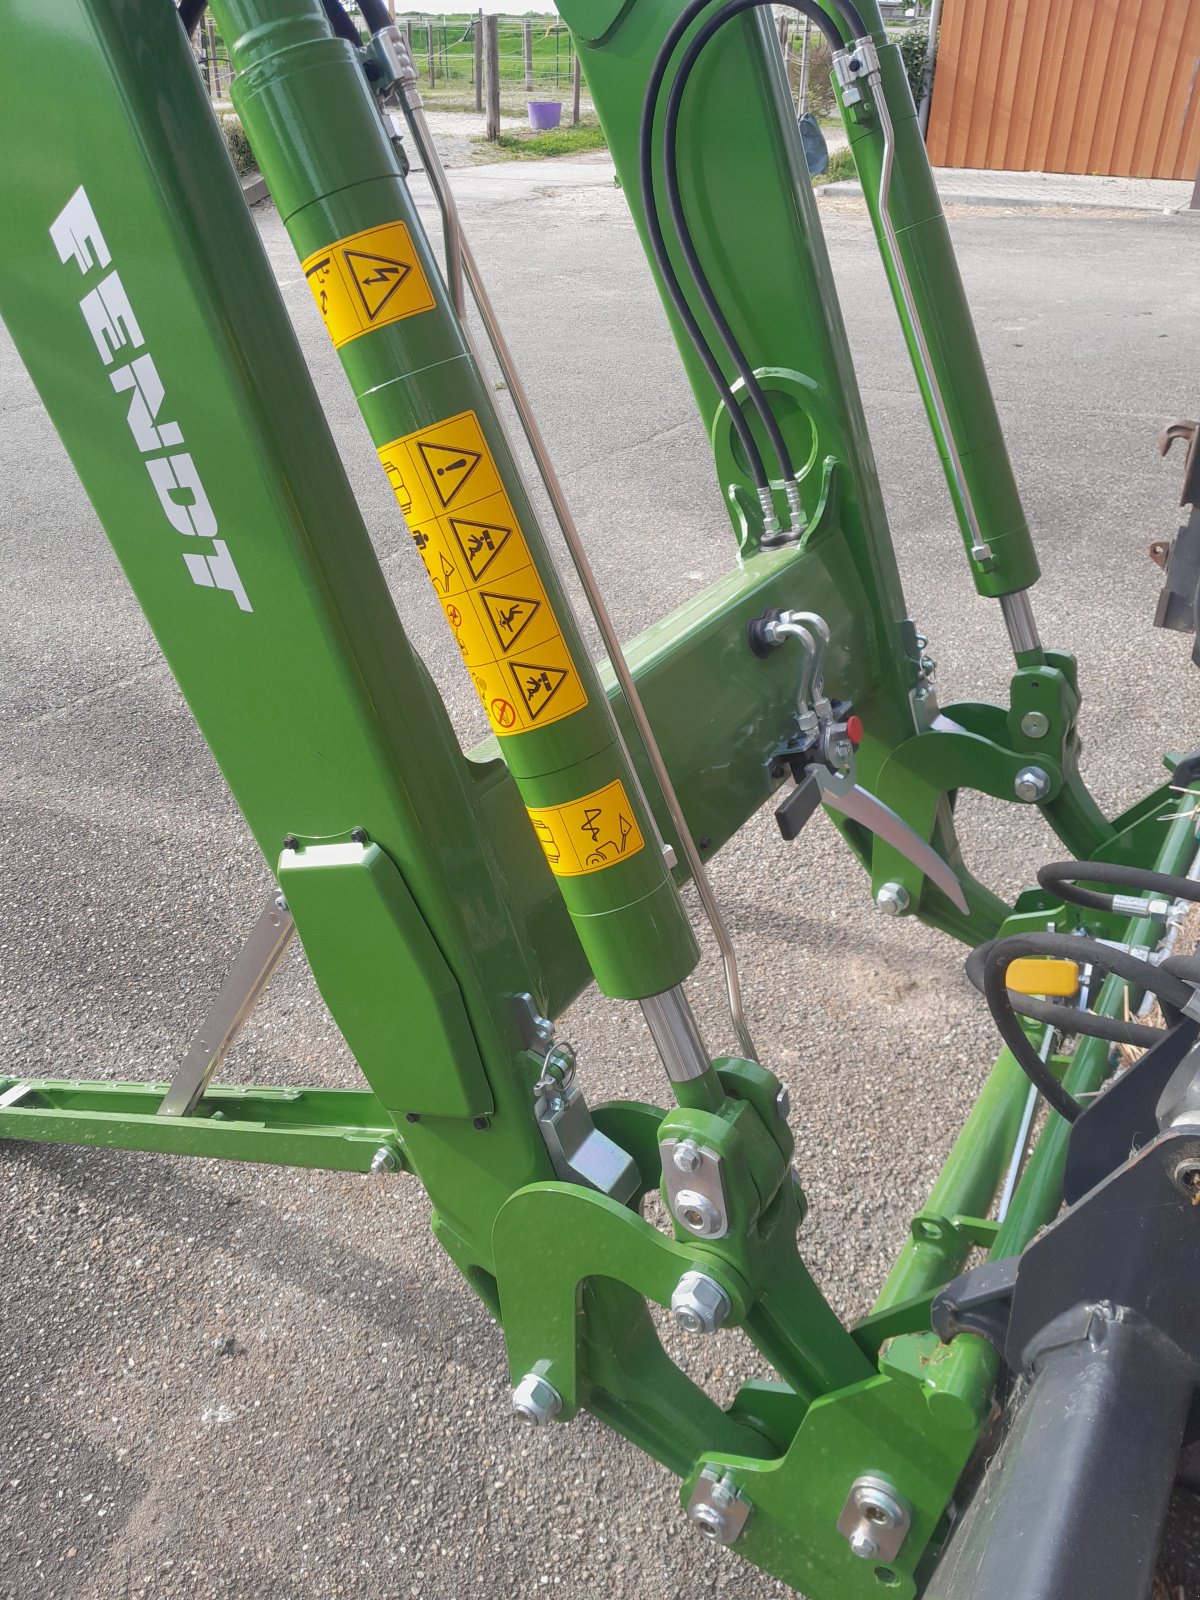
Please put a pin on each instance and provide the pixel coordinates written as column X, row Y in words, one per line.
column 854, row 25
column 1061, row 879
column 1172, row 991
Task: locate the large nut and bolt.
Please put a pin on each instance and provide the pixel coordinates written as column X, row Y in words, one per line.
column 699, row 1304
column 710, row 1522
column 698, row 1214
column 535, row 1401
column 686, row 1156
column 1035, row 724
column 384, row 1160
column 893, row 899
column 874, row 1520
column 1032, row 784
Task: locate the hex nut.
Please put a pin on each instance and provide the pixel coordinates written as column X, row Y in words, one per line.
column 709, row 1521
column 535, row 1401
column 699, row 1304
column 893, row 899
column 686, row 1156
column 384, row 1160
column 1031, row 784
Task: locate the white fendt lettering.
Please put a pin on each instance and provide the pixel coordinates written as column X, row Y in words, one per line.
column 115, row 329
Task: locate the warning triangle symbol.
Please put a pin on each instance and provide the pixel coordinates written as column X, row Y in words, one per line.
column 537, row 686
column 376, row 278
column 509, row 615
column 480, row 543
column 448, row 468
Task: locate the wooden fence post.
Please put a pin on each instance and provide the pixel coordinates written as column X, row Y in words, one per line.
column 491, row 57
column 575, row 93
column 527, row 31
column 478, row 42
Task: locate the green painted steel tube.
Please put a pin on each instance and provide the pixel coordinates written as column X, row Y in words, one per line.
column 316, row 131
column 966, row 1186
column 941, row 302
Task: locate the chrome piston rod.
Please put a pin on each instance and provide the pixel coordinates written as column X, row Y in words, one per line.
column 460, row 266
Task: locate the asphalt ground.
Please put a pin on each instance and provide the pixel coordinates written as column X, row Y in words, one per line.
column 235, row 1381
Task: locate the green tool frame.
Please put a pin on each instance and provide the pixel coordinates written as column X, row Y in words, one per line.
column 138, row 294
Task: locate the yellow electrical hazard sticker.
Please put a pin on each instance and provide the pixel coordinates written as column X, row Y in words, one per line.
column 587, row 835
column 366, row 281
column 468, row 537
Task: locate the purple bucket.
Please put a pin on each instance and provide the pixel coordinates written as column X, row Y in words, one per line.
column 544, row 114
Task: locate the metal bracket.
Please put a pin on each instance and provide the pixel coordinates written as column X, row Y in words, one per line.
column 256, row 961
column 578, row 1151
column 979, row 1301
column 717, row 1507
column 695, row 1185
column 875, row 1519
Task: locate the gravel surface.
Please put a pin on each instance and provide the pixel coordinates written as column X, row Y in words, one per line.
column 228, row 1381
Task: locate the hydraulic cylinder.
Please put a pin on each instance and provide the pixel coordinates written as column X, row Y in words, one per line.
column 335, row 176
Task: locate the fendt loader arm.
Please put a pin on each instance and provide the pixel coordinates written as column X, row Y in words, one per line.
column 452, row 905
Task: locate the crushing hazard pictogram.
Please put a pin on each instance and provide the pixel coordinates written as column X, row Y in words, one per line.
column 537, row 686
column 376, row 278
column 450, row 468
column 367, row 281
column 480, row 543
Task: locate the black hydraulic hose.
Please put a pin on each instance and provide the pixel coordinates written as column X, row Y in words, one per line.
column 856, row 27
column 375, row 15
column 1061, row 879
column 343, row 28
column 712, row 25
column 1171, row 991
column 1067, row 1019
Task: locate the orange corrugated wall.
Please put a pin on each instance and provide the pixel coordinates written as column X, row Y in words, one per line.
column 1095, row 86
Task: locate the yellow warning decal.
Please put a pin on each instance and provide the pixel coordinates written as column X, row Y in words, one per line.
column 366, row 281
column 479, row 564
column 1055, row 978
column 587, row 835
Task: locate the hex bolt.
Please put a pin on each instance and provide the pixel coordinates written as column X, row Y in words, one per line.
column 384, row 1160
column 862, row 1545
column 1032, row 784
column 687, row 1157
column 1186, row 1178
column 1035, row 724
column 699, row 1304
column 893, row 900
column 535, row 1401
column 698, row 1214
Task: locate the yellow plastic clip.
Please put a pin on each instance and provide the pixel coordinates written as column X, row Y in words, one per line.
column 1032, row 976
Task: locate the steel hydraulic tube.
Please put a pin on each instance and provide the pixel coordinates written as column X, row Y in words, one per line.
column 334, row 175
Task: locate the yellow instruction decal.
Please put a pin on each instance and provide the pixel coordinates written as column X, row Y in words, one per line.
column 366, row 281
column 590, row 834
column 479, row 564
